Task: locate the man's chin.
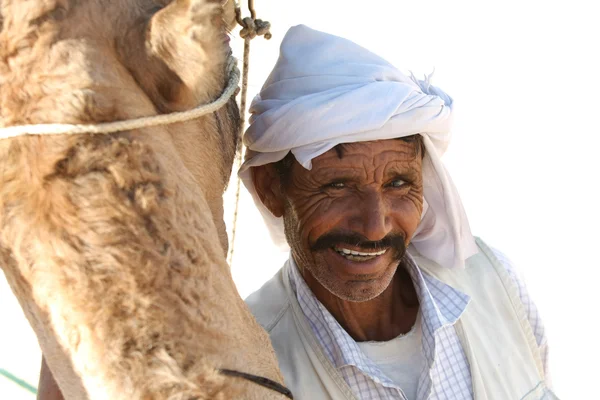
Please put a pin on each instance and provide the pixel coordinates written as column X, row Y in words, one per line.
column 357, row 280
column 358, row 292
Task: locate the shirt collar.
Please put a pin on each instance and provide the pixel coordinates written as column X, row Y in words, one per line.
column 337, row 344
column 441, row 305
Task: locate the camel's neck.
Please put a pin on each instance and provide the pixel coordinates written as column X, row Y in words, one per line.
column 123, row 258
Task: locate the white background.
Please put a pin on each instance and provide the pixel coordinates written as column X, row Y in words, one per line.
column 525, row 78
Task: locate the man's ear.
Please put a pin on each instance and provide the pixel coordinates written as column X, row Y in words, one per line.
column 267, row 183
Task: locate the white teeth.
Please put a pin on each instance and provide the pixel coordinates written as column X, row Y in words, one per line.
column 359, row 253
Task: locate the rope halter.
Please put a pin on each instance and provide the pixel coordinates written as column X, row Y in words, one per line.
column 135, row 123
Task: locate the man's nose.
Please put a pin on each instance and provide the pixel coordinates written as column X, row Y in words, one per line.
column 372, row 219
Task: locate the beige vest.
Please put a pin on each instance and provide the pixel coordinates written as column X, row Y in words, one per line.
column 496, row 336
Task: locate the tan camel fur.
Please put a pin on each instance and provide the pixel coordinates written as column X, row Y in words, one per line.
column 115, row 244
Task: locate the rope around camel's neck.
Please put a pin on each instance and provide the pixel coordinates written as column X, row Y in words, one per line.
column 135, row 123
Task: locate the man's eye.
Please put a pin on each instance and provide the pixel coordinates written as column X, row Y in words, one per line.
column 337, row 185
column 397, row 183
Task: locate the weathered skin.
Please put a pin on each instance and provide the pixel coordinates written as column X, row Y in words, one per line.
column 115, row 244
column 360, row 195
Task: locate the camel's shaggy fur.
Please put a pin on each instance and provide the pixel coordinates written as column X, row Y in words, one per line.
column 114, row 245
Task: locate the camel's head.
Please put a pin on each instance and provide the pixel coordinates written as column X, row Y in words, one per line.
column 92, row 61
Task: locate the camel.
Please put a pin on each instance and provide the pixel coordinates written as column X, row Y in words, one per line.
column 114, row 244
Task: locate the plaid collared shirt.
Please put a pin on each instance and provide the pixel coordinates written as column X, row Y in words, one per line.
column 448, row 378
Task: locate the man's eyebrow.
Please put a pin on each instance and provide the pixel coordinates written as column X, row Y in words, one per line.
column 402, row 169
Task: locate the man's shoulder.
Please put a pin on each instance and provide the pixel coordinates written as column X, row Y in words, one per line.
column 269, row 303
column 493, row 256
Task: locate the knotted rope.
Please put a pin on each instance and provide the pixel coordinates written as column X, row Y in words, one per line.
column 130, row 124
column 251, row 27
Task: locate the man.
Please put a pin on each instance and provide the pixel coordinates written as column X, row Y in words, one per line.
column 386, row 295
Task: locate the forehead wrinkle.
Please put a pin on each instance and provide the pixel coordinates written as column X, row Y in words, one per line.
column 392, row 162
column 408, row 147
column 367, row 158
column 350, row 171
column 328, row 160
column 408, row 155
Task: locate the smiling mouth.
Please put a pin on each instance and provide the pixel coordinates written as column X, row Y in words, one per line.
column 358, row 256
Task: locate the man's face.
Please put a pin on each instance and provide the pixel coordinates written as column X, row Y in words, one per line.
column 349, row 219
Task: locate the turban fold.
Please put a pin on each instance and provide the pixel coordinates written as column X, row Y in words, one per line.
column 325, row 90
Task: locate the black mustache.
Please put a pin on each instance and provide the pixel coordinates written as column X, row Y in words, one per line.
column 332, row 239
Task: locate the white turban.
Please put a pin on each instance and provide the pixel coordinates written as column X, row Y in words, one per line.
column 325, row 90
